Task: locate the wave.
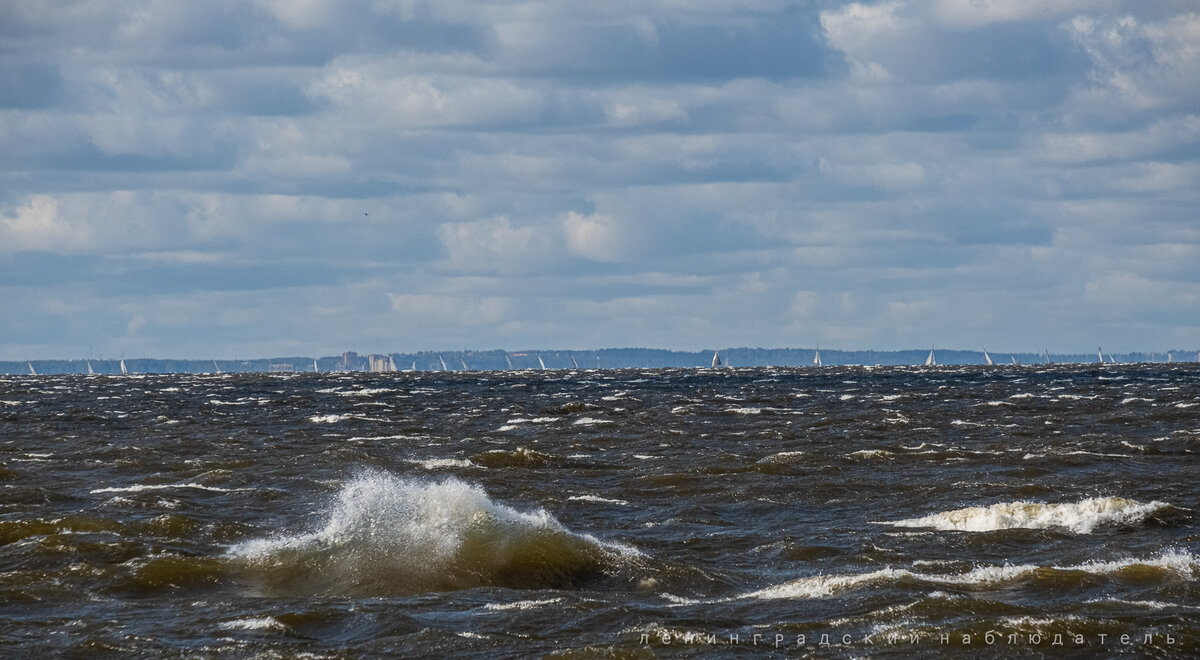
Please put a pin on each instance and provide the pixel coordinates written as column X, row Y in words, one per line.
column 144, row 487
column 386, row 535
column 1079, row 517
column 1171, row 564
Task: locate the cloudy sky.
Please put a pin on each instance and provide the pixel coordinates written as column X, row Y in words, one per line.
column 282, row 177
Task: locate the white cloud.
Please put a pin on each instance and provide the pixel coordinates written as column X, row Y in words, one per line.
column 594, row 237
column 976, row 13
column 866, row 33
column 39, row 226
column 494, row 245
column 1140, row 64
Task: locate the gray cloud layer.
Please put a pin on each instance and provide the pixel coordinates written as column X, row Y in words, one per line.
column 236, row 178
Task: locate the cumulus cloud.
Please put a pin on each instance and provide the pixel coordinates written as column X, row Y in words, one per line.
column 594, row 237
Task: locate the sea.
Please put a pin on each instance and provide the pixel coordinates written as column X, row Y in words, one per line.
column 886, row 512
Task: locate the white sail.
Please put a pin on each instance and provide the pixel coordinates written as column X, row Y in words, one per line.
column 90, row 372
column 931, row 361
column 539, row 357
column 716, row 361
column 1110, row 359
column 986, row 358
column 464, row 364
column 123, row 369
column 1100, row 354
column 1014, row 359
column 817, row 357
column 508, row 360
column 316, row 370
column 1047, row 351
column 392, row 364
column 32, row 371
column 443, row 363
column 215, row 366
column 573, row 362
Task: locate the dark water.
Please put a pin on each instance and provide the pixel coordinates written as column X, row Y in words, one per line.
column 887, row 512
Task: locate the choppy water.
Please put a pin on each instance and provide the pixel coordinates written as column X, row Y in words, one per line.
column 886, row 512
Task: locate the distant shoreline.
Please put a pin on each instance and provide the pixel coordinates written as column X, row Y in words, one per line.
column 608, row 358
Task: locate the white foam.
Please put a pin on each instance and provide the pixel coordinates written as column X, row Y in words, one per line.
column 871, row 453
column 260, row 623
column 521, row 604
column 744, row 410
column 328, row 419
column 1080, row 517
column 1178, row 562
column 144, row 487
column 590, row 421
column 597, row 498
column 436, row 463
column 782, row 457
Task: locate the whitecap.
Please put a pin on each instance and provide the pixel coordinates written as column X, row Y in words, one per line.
column 590, row 421
column 871, row 453
column 144, row 487
column 597, row 498
column 1079, row 517
column 327, row 419
column 259, row 623
column 437, row 463
column 744, row 410
column 522, row 604
column 1179, row 563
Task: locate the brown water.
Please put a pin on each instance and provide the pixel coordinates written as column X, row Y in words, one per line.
column 587, row 513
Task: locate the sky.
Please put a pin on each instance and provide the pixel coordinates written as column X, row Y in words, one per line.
column 305, row 177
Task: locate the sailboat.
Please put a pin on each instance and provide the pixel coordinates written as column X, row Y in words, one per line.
column 508, row 360
column 217, row 367
column 817, row 357
column 1014, row 359
column 32, row 371
column 931, row 361
column 464, row 364
column 1047, row 351
column 316, row 370
column 443, row 363
column 573, row 362
column 123, row 369
column 543, row 364
column 90, row 372
column 716, row 361
column 1100, row 354
column 986, row 358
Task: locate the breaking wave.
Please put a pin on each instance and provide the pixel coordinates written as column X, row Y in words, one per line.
column 1171, row 564
column 390, row 536
column 1079, row 517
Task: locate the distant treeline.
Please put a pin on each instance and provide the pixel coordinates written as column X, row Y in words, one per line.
column 608, row 358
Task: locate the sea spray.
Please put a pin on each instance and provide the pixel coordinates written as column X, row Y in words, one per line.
column 385, row 535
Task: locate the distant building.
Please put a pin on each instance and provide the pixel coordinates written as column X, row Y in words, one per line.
column 350, row 362
column 380, row 363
